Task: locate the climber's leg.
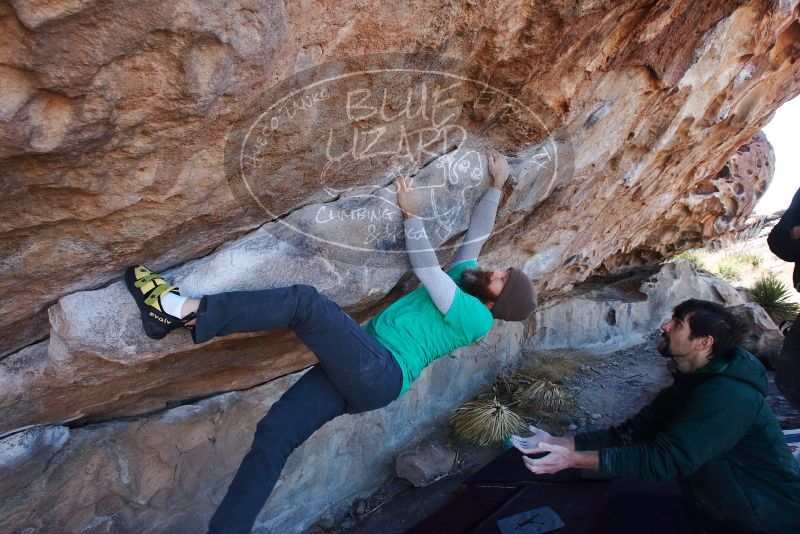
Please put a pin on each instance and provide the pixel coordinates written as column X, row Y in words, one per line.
column 306, row 406
column 365, row 373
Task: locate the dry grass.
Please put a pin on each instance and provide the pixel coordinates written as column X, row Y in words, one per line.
column 730, row 268
column 544, row 395
column 508, row 379
column 731, row 259
column 484, row 422
column 553, row 368
column 695, row 257
column 535, row 386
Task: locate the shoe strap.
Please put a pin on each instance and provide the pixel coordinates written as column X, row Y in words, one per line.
column 157, row 292
column 146, row 278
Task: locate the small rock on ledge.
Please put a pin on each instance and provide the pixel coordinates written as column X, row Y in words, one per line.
column 424, row 464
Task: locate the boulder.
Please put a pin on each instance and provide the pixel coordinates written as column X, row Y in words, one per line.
column 167, row 471
column 762, row 338
column 580, row 202
column 424, row 464
column 627, row 309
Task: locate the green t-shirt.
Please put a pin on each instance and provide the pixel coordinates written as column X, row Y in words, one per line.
column 416, row 333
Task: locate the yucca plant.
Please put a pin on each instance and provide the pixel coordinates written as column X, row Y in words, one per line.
column 544, row 395
column 773, row 295
column 486, row 421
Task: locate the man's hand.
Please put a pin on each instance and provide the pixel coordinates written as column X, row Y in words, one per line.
column 531, row 444
column 498, row 169
column 558, row 459
column 561, row 458
column 794, row 233
column 562, row 452
column 407, row 198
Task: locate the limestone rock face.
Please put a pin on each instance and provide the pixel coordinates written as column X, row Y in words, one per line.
column 715, row 206
column 248, row 145
column 606, row 316
column 584, row 196
column 114, row 119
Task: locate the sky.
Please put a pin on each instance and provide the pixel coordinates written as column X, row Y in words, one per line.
column 782, row 133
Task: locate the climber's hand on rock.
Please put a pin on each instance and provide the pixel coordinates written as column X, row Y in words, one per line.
column 498, row 168
column 407, row 198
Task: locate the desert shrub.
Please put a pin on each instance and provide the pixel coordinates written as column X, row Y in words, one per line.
column 484, row 422
column 508, row 380
column 773, row 295
column 751, row 232
column 553, row 368
column 544, row 395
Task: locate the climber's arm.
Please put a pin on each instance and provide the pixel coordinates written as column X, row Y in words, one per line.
column 482, row 220
column 424, row 262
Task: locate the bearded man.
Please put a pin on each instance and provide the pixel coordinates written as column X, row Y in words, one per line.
column 712, row 430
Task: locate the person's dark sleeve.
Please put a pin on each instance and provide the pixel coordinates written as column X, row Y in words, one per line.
column 639, row 427
column 711, row 422
column 779, row 240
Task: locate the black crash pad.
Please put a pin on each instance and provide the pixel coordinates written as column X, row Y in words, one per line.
column 582, row 500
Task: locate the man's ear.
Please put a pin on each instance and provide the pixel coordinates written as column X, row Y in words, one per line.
column 704, row 342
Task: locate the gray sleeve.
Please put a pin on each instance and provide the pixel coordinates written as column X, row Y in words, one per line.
column 480, row 226
column 426, row 267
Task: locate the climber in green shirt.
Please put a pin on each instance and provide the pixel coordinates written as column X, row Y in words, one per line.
column 711, row 430
column 359, row 369
column 452, row 309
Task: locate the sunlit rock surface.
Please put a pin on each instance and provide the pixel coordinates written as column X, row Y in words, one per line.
column 126, row 130
column 114, row 118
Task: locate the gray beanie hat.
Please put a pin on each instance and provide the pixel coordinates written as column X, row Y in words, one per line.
column 517, row 300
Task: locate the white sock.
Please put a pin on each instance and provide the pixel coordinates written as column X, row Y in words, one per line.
column 172, row 304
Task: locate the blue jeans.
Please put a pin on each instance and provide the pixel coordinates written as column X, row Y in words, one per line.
column 355, row 374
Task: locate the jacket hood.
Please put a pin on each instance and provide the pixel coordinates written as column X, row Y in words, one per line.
column 742, row 366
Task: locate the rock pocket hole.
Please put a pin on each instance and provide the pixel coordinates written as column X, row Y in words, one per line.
column 611, row 317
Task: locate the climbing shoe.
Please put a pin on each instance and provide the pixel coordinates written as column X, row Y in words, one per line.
column 147, row 288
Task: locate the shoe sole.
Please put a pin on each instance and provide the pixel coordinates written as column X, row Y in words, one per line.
column 153, row 329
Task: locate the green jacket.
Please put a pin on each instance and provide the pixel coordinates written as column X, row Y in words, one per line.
column 714, row 432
